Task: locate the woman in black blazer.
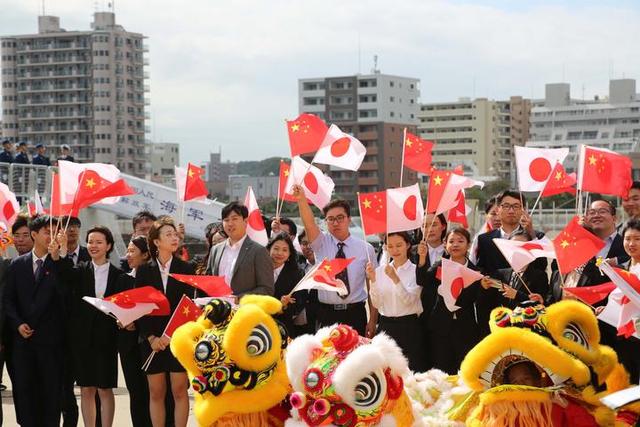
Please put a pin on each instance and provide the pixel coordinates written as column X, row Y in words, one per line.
column 128, row 345
column 287, row 274
column 163, row 240
column 450, row 334
column 93, row 335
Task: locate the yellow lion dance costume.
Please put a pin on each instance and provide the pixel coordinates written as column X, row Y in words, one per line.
column 234, row 357
column 562, row 370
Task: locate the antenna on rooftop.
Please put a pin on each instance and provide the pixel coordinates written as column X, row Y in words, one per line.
column 359, row 54
column 375, row 65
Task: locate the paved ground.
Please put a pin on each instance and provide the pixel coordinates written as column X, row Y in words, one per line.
column 122, row 417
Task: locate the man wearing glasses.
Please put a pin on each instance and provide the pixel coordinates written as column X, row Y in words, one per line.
column 631, row 206
column 512, row 216
column 339, row 243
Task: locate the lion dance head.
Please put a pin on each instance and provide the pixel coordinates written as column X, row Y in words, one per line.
column 234, row 357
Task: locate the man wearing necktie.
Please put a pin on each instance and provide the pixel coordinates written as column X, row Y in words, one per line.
column 339, row 243
column 34, row 306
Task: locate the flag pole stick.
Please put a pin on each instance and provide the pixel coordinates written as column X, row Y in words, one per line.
column 522, row 281
column 75, row 197
column 426, row 207
column 277, row 215
column 184, row 204
column 306, row 276
column 404, row 139
column 51, row 210
column 364, row 235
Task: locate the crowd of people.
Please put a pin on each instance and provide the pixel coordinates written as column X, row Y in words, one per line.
column 38, row 157
column 53, row 340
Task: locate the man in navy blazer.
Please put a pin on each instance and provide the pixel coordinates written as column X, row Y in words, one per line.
column 34, row 307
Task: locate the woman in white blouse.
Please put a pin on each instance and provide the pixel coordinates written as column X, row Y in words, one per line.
column 93, row 335
column 396, row 296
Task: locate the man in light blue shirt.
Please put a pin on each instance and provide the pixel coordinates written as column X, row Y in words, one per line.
column 339, row 243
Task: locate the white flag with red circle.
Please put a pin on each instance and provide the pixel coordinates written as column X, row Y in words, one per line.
column 404, row 208
column 317, row 186
column 534, row 165
column 255, row 225
column 454, row 278
column 341, row 150
column 9, row 207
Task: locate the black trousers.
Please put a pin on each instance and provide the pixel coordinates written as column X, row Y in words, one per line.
column 69, row 406
column 406, row 332
column 135, row 378
column 354, row 315
column 38, row 377
column 448, row 350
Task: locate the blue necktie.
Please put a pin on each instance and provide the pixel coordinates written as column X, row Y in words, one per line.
column 39, row 270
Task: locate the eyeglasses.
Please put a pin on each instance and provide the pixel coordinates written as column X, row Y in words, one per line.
column 335, row 219
column 515, row 207
column 601, row 212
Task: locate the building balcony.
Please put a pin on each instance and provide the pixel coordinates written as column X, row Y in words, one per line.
column 368, row 181
column 369, row 166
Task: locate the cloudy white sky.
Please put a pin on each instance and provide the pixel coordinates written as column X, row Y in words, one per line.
column 224, row 73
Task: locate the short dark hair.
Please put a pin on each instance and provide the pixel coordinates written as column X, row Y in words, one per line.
column 141, row 216
column 459, row 231
column 284, row 237
column 154, row 233
column 236, row 207
column 612, row 206
column 72, row 220
column 302, row 234
column 106, row 233
column 511, row 193
column 632, row 224
column 140, row 242
column 490, row 203
column 635, row 185
column 21, row 221
column 338, row 203
column 41, row 221
column 292, row 225
column 405, row 236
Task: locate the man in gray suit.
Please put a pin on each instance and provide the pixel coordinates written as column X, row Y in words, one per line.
column 245, row 265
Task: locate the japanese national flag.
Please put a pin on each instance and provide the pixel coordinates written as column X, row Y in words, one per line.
column 71, row 173
column 9, row 207
column 520, row 254
column 255, row 225
column 455, row 277
column 127, row 315
column 341, row 150
column 404, row 208
column 317, row 186
column 534, row 165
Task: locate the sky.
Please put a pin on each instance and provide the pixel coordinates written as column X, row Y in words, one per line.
column 223, row 74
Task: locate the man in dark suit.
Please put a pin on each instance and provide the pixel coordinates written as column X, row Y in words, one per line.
column 66, row 153
column 4, row 267
column 141, row 222
column 246, row 265
column 6, row 156
column 34, row 307
column 22, row 157
column 39, row 158
column 512, row 216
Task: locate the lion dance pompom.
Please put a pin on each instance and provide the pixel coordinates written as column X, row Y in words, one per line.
column 234, row 357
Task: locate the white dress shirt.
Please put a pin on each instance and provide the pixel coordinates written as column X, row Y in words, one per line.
column 229, row 258
column 164, row 272
column 34, row 258
column 74, row 255
column 276, row 272
column 395, row 300
column 607, row 245
column 101, row 276
column 435, row 254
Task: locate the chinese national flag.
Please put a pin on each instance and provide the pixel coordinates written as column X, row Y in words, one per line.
column 592, row 294
column 575, row 245
column 195, row 187
column 282, row 182
column 306, row 134
column 559, row 182
column 324, row 276
column 373, row 211
column 213, row 286
column 605, row 172
column 142, row 295
column 444, row 188
column 186, row 311
column 417, row 153
column 93, row 188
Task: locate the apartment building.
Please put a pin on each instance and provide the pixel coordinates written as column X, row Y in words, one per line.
column 81, row 88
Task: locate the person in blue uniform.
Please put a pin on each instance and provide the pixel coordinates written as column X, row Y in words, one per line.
column 7, row 152
column 39, row 158
column 22, row 157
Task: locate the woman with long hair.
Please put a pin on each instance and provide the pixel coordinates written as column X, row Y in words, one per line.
column 163, row 241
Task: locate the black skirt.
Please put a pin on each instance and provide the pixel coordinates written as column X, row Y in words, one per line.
column 407, row 333
column 96, row 364
column 163, row 361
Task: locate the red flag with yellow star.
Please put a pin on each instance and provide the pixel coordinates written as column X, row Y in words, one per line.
column 306, row 134
column 195, row 187
column 417, row 153
column 373, row 212
column 605, row 172
column 323, row 276
column 186, row 311
column 559, row 182
column 444, row 190
column 282, row 182
column 213, row 286
column 575, row 245
column 93, row 188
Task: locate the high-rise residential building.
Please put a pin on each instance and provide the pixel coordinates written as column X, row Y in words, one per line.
column 81, row 88
column 611, row 122
column 163, row 157
column 375, row 108
column 478, row 134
